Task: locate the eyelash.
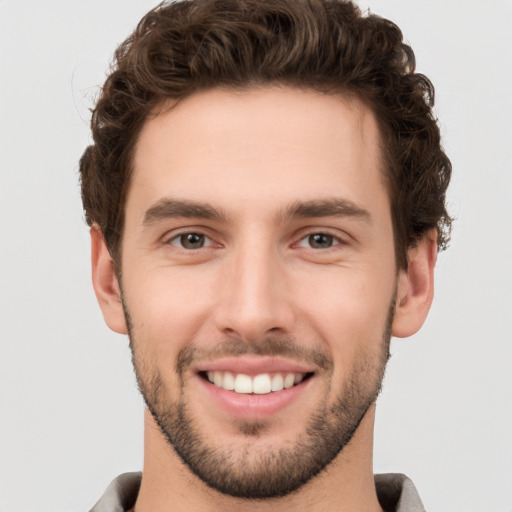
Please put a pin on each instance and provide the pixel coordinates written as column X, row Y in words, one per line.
column 332, row 240
column 208, row 242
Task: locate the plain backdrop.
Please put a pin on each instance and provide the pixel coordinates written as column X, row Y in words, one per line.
column 70, row 413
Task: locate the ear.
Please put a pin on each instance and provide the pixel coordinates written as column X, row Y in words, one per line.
column 415, row 290
column 105, row 283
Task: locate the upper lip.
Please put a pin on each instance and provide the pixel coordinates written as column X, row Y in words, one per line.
column 255, row 365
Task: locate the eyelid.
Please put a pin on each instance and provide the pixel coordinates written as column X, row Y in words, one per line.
column 339, row 239
column 175, row 234
column 208, row 241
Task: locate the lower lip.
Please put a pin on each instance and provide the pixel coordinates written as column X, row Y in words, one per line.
column 253, row 406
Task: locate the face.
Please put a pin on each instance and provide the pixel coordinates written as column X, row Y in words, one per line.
column 259, row 281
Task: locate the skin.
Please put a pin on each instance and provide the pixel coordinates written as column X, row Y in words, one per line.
column 252, row 156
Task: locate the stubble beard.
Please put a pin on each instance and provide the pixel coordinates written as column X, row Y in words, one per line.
column 277, row 471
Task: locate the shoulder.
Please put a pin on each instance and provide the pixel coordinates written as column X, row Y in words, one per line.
column 120, row 495
column 397, row 493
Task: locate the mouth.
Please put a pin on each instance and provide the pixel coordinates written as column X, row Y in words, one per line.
column 254, row 387
column 260, row 384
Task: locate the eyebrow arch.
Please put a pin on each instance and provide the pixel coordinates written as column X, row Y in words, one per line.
column 173, row 208
column 332, row 207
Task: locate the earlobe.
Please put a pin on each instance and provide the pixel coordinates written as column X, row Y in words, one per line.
column 415, row 290
column 105, row 283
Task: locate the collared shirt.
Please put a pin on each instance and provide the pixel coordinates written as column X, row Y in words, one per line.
column 395, row 491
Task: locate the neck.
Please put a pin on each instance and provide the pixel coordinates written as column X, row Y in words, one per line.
column 347, row 484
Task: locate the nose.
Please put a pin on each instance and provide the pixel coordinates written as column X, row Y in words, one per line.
column 254, row 296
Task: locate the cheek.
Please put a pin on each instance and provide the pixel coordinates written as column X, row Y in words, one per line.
column 167, row 309
column 349, row 312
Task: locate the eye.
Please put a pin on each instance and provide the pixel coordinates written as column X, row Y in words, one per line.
column 190, row 241
column 319, row 241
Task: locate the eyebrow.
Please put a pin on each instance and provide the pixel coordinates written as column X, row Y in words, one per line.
column 173, row 208
column 331, row 207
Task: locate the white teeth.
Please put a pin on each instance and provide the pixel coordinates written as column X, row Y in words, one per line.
column 217, row 379
column 261, row 384
column 289, row 381
column 243, row 383
column 277, row 382
column 229, row 381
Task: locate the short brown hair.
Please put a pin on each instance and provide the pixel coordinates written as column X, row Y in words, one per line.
column 326, row 45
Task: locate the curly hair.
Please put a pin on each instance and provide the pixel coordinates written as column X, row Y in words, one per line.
column 325, row 45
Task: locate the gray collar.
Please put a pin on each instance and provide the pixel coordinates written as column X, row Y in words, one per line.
column 396, row 493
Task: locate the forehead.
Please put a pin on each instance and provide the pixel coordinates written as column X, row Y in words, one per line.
column 290, row 144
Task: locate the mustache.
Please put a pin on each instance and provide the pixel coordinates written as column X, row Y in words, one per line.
column 268, row 346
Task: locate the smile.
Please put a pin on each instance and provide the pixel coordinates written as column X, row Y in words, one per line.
column 260, row 384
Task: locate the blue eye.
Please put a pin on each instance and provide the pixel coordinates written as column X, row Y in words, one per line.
column 190, row 241
column 319, row 241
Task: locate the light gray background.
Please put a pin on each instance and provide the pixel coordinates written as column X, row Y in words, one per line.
column 70, row 415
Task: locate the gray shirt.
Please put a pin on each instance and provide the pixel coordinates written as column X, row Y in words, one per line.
column 395, row 491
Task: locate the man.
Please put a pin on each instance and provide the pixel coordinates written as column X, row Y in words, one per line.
column 266, row 195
